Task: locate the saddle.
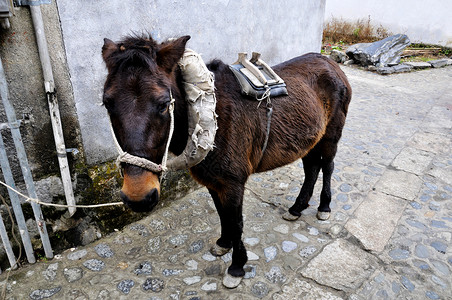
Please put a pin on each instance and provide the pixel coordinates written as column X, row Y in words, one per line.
column 256, row 78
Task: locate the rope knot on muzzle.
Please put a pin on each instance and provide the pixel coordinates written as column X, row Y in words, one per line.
column 140, row 162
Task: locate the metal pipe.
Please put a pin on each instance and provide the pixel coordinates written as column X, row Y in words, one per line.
column 52, row 100
column 7, row 245
column 15, row 203
column 23, row 161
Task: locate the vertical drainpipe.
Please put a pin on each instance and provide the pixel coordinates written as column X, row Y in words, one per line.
column 52, row 100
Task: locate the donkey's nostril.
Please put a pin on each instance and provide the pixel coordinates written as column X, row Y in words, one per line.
column 144, row 205
column 152, row 196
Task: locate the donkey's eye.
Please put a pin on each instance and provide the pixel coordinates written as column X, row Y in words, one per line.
column 163, row 107
column 107, row 101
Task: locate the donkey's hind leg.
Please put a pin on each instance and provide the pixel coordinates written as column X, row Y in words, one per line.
column 311, row 165
column 224, row 244
column 328, row 149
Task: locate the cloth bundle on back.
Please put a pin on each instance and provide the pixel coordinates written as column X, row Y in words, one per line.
column 202, row 119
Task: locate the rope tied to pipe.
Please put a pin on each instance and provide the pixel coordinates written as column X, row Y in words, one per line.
column 37, row 201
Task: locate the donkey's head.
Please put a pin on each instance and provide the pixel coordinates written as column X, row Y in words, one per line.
column 137, row 95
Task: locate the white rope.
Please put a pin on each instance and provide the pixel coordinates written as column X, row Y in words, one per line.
column 171, row 131
column 28, row 199
column 266, row 95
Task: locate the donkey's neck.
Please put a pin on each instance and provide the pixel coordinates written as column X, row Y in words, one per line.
column 180, row 135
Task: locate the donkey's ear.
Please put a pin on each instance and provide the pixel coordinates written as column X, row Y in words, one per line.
column 170, row 53
column 108, row 49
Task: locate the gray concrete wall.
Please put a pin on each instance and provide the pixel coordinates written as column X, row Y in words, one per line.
column 19, row 54
column 279, row 30
column 422, row 21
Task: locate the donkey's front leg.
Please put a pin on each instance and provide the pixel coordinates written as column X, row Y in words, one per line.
column 231, row 201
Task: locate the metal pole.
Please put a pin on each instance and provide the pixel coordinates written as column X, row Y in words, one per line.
column 22, row 156
column 15, row 202
column 7, row 245
column 52, row 100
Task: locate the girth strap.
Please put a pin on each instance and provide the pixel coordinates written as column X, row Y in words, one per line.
column 269, row 121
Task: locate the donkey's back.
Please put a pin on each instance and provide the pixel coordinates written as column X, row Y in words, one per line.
column 314, row 109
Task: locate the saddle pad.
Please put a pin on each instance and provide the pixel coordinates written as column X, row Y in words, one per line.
column 252, row 87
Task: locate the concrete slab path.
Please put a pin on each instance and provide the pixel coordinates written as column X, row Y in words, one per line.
column 389, row 235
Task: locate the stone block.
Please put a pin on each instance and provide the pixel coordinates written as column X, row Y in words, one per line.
column 393, row 69
column 385, row 70
column 400, row 184
column 341, row 265
column 381, row 53
column 338, row 56
column 375, row 220
column 402, row 68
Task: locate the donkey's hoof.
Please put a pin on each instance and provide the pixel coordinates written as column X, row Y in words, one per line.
column 230, row 281
column 289, row 217
column 323, row 215
column 218, row 250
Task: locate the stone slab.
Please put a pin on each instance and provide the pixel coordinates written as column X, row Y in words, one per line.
column 298, row 289
column 402, row 68
column 438, row 120
column 413, row 160
column 418, row 64
column 375, row 220
column 438, row 63
column 443, row 173
column 394, row 69
column 400, row 184
column 341, row 265
column 430, row 142
column 385, row 70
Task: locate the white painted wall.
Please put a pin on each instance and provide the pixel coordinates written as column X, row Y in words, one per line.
column 423, row 21
column 280, row 30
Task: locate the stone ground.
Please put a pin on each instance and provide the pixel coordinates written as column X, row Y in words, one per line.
column 388, row 237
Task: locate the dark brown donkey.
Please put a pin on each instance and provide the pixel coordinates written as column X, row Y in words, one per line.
column 142, row 76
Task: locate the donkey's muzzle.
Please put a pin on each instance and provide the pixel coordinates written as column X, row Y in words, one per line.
column 145, row 205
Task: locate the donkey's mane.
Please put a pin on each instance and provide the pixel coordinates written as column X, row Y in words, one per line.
column 137, row 51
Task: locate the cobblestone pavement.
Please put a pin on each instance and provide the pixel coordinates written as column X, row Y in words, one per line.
column 389, row 235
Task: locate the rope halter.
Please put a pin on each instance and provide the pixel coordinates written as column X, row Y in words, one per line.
column 144, row 163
